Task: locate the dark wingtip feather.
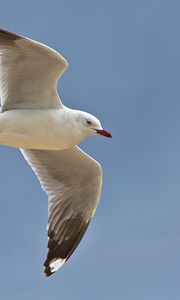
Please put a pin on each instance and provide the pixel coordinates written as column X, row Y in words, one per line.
column 9, row 36
column 48, row 272
column 61, row 247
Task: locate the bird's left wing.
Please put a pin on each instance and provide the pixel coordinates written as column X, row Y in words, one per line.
column 72, row 180
column 29, row 72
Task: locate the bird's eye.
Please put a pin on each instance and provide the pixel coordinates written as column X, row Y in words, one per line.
column 88, row 122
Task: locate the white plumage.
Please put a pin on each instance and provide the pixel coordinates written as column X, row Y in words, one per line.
column 34, row 119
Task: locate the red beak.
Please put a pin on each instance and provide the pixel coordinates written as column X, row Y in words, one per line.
column 104, row 132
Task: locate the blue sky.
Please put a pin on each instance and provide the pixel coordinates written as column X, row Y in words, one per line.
column 124, row 67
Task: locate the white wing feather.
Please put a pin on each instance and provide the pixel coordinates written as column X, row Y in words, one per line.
column 72, row 180
column 29, row 72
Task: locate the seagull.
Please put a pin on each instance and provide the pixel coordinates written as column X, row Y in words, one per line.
column 34, row 119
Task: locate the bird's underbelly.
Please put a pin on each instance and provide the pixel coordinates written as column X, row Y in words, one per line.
column 31, row 131
column 32, row 141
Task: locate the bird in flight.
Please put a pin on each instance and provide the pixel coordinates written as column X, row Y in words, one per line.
column 34, row 119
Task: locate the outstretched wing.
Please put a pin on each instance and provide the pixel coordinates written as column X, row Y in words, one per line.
column 72, row 180
column 29, row 72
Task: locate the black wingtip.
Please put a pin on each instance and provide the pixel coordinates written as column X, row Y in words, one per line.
column 61, row 247
column 48, row 272
column 52, row 265
column 8, row 35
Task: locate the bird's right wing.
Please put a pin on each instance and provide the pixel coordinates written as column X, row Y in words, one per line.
column 29, row 72
column 72, row 180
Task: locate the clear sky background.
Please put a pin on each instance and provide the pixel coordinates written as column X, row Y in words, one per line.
column 124, row 67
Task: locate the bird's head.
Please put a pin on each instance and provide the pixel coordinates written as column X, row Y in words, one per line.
column 90, row 125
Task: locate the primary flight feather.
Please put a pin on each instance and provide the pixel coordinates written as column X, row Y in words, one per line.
column 34, row 119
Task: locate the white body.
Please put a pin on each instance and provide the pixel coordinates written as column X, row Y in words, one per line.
column 47, row 129
column 34, row 119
